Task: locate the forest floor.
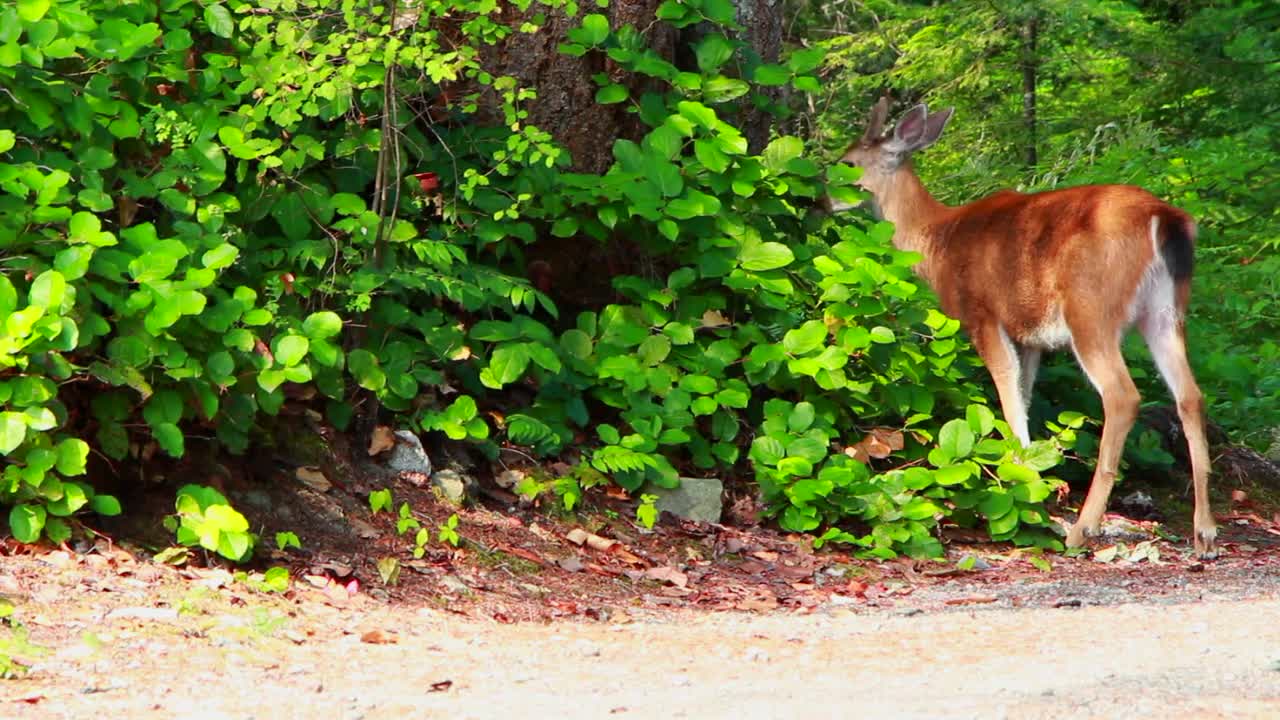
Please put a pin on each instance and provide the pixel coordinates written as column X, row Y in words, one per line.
column 588, row 615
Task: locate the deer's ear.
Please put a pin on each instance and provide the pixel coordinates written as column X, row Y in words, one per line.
column 908, row 134
column 910, row 129
column 934, row 123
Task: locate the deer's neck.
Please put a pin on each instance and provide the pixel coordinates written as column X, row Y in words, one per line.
column 915, row 215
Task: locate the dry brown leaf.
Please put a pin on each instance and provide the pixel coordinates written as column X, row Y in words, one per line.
column 714, row 319
column 379, row 637
column 578, row 536
column 313, row 478
column 668, row 575
column 765, row 555
column 858, row 452
column 383, row 439
column 889, row 436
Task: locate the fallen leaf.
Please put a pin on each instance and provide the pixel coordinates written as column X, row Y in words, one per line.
column 440, row 686
column 714, row 319
column 379, row 637
column 1106, row 554
column 383, row 439
column 667, row 575
column 313, row 478
column 389, row 570
column 1239, row 496
column 363, row 529
column 765, row 555
column 578, row 536
column 858, row 452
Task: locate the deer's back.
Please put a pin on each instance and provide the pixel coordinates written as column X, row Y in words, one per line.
column 1032, row 261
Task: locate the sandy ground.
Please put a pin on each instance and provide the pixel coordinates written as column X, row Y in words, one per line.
column 163, row 647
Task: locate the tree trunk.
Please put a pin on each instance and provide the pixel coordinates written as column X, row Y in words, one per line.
column 565, row 105
column 1030, row 65
column 761, row 21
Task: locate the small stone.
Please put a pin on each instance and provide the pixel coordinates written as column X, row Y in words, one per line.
column 697, row 499
column 408, row 454
column 452, row 485
column 454, row 585
column 313, row 478
column 259, row 500
column 508, row 479
column 571, row 563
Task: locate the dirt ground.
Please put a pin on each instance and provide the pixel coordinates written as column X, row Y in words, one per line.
column 544, row 614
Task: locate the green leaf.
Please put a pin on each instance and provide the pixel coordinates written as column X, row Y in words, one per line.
column 981, row 419
column 220, row 257
column 322, row 325
column 48, row 290
column 693, row 204
column 577, row 343
column 7, row 140
column 508, row 363
column 73, row 453
column 721, row 89
column 290, row 349
column 31, row 11
column 26, row 522
column 782, row 151
column 801, row 417
column 766, row 256
column 170, row 439
column 956, row 439
column 806, row 60
column 713, row 51
column 104, row 505
column 366, row 370
column 771, row 75
column 13, row 430
column 611, row 93
column 806, row 338
column 220, row 23
column 595, row 29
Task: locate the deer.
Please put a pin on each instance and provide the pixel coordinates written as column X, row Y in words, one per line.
column 1027, row 273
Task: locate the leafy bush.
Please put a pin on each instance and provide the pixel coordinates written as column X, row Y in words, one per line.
column 210, row 219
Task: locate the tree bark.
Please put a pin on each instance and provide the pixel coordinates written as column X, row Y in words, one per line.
column 565, row 105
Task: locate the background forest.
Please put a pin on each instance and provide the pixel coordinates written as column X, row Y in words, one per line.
column 587, row 233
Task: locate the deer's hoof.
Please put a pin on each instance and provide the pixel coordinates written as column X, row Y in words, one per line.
column 1206, row 542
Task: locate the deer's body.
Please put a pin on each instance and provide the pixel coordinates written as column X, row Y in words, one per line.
column 1066, row 269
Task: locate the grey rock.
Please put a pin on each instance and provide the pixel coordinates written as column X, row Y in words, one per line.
column 408, row 455
column 979, row 562
column 257, row 499
column 452, row 484
column 1138, row 499
column 696, row 499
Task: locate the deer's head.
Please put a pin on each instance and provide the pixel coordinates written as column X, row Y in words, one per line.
column 882, row 156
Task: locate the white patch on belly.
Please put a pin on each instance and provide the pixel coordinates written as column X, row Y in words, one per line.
column 1051, row 334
